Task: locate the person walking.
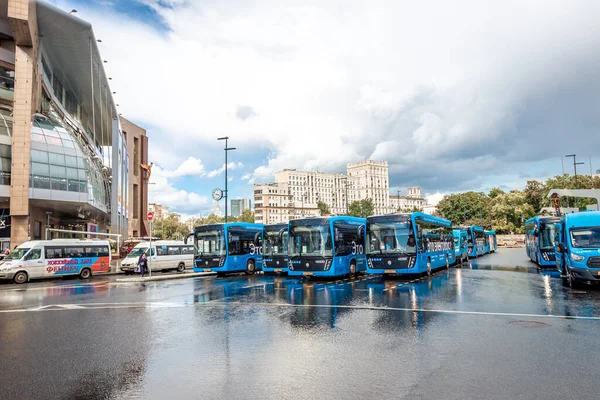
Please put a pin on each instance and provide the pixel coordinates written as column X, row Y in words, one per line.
column 143, row 264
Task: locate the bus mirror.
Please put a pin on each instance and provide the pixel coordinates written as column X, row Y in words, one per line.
column 561, row 248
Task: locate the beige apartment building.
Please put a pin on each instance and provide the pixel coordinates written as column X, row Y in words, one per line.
column 370, row 180
column 64, row 157
column 312, row 187
column 274, row 204
column 409, row 202
column 295, row 194
column 160, row 211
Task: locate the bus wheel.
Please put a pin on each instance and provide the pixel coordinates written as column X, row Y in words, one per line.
column 353, row 268
column 250, row 268
column 428, row 267
column 21, row 277
column 181, row 267
column 85, row 273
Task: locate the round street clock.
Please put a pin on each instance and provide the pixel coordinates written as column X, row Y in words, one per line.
column 217, row 194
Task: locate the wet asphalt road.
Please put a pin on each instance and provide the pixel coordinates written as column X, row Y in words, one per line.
column 493, row 330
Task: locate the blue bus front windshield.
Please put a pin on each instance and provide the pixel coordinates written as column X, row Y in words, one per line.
column 547, row 234
column 390, row 237
column 586, row 238
column 275, row 242
column 210, row 241
column 310, row 240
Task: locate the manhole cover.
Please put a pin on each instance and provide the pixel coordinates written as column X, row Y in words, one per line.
column 528, row 324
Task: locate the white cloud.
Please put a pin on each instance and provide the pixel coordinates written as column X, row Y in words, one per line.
column 178, row 200
column 323, row 85
column 230, row 166
column 246, row 177
column 434, row 199
column 191, row 166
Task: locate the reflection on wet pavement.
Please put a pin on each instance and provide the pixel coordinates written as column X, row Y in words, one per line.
column 464, row 333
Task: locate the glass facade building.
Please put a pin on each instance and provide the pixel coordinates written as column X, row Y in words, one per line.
column 64, row 161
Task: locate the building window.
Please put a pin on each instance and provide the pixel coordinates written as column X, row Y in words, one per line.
column 136, row 157
column 7, row 82
column 136, row 194
column 37, row 230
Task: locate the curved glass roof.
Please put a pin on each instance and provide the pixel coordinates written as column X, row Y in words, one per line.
column 58, row 163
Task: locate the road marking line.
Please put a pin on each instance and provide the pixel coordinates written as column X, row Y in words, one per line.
column 424, row 310
column 103, row 306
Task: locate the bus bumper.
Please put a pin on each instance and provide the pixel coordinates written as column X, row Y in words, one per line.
column 585, row 275
column 412, row 271
column 7, row 275
column 322, row 274
column 270, row 270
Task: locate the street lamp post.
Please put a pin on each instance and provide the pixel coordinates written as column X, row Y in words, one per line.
column 575, row 164
column 225, row 138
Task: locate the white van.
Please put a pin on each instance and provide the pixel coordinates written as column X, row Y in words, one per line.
column 165, row 255
column 59, row 257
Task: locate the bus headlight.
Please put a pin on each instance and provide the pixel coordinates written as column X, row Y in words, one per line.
column 545, row 256
column 221, row 261
column 577, row 257
column 370, row 263
column 411, row 262
column 327, row 265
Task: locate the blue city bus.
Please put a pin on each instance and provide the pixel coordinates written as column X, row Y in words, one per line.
column 326, row 246
column 275, row 248
column 232, row 247
column 539, row 240
column 475, row 240
column 461, row 245
column 578, row 249
column 408, row 244
column 490, row 242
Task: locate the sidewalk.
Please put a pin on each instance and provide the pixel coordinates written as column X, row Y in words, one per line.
column 167, row 277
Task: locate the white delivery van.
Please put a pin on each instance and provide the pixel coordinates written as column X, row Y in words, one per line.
column 165, row 255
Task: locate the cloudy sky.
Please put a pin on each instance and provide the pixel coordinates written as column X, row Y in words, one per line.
column 456, row 96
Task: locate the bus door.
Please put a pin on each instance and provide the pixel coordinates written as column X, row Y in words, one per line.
column 33, row 262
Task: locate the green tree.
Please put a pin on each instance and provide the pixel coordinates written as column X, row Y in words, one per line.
column 535, row 194
column 323, row 207
column 462, row 207
column 509, row 210
column 495, row 192
column 361, row 208
column 247, row 216
column 170, row 227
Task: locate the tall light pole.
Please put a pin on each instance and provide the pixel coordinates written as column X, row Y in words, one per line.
column 225, row 138
column 575, row 164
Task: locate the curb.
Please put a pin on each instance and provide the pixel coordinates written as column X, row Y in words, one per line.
column 167, row 277
column 108, row 273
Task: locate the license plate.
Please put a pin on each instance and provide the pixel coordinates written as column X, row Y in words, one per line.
column 207, row 270
column 307, row 273
column 277, row 270
column 389, row 271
